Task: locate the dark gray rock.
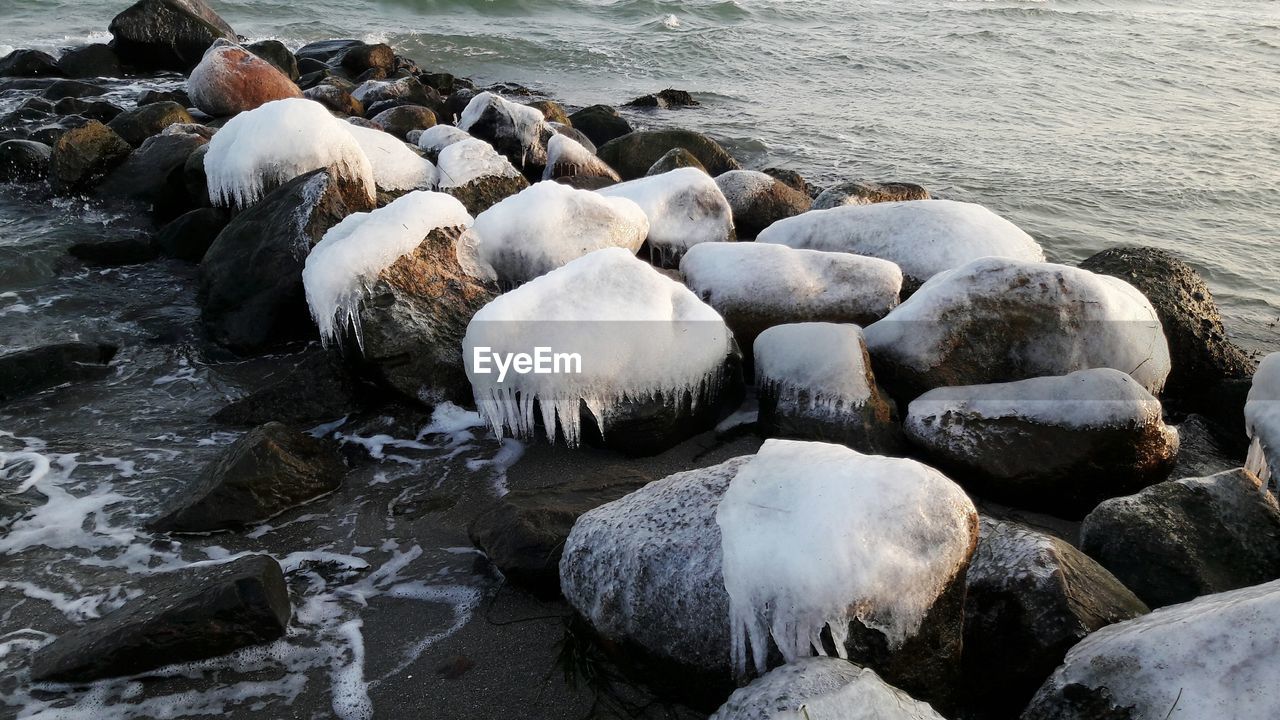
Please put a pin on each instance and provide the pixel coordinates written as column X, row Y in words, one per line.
column 403, row 119
column 29, row 64
column 328, row 52
column 154, row 176
column 128, row 250
column 601, row 123
column 864, row 192
column 276, row 53
column 83, row 154
column 27, row 372
column 359, row 59
column 669, row 98
column 485, row 192
column 1202, row 451
column 319, row 389
column 24, row 161
column 96, row 60
column 167, row 34
column 189, row 236
column 136, row 125
column 674, row 159
column 633, row 154
column 60, row 89
column 335, row 98
column 99, row 110
column 759, row 200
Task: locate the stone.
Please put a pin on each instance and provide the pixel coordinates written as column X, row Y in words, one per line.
column 83, row 154
column 318, row 390
column 60, row 89
column 552, row 111
column 99, row 110
column 231, row 80
column 153, row 175
column 600, row 123
column 666, row 99
column 403, row 119
column 758, row 200
column 865, row 192
column 822, row 687
column 135, row 126
column 30, row 371
column 28, row 64
column 791, row 178
column 24, row 161
column 87, row 61
column 189, row 236
column 361, row 58
column 485, row 192
column 329, row 52
column 675, row 158
column 335, row 98
column 128, row 250
column 278, row 54
column 167, row 34
column 633, row 154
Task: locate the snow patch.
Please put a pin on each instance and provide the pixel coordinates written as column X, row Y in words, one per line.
column 470, row 159
column 820, row 368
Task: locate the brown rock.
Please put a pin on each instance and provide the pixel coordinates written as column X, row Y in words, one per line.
column 230, row 80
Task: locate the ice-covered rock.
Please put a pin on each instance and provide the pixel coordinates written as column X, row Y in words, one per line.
column 567, row 157
column 634, row 153
column 517, row 131
column 1058, row 444
column 1262, row 421
column 865, row 192
column 1178, row 540
column 545, row 226
column 230, row 80
column 997, row 320
column 260, row 150
column 650, row 357
column 685, row 207
column 396, row 167
column 756, row 286
column 759, row 200
column 821, row 688
column 815, row 382
column 1031, row 597
column 472, row 171
column 922, row 237
column 438, row 137
column 1213, row 657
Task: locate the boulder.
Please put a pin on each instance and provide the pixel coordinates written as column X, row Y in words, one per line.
column 791, row 178
column 29, row 63
column 685, row 208
column 1201, row 449
column 866, row 192
column 329, row 52
column 403, row 119
column 189, row 236
column 524, row 532
column 27, row 372
column 400, row 91
column 1055, row 444
column 24, row 161
column 135, row 126
column 818, row 688
column 1000, row 320
column 62, row 89
column 600, row 123
column 1213, row 657
column 96, row 60
column 154, row 175
column 1178, row 540
column 251, row 291
column 814, row 382
column 517, row 131
column 1031, row 597
column 177, row 95
column 318, row 390
column 335, row 99
column 567, row 158
column 199, row 612
column 759, row 200
column 84, row 154
column 666, row 99
column 675, row 159
column 633, row 154
column 99, row 110
column 552, row 111
column 127, row 250
column 359, row 59
column 278, row 54
column 471, row 170
column 231, row 80
column 269, row 470
column 167, row 34
column 483, row 193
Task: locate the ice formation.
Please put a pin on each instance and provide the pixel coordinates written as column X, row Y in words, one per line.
column 822, row 689
column 259, row 150
column 685, row 207
column 462, row 161
column 567, row 157
column 777, row 281
column 527, row 123
column 438, row 137
column 1262, row 420
column 1213, row 657
column 347, row 261
column 638, row 334
column 548, row 224
column 816, row 535
column 1067, row 319
column 395, row 166
column 818, row 367
column 924, row 237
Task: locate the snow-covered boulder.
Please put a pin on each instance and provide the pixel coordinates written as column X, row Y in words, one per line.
column 260, row 150
column 230, row 80
column 815, row 382
column 438, row 137
column 685, row 207
column 1262, row 420
column 1213, row 657
column 998, row 320
column 821, row 688
column 396, row 167
column 545, row 226
column 1031, row 597
column 517, row 131
column 398, row 286
column 567, row 158
column 1178, row 540
column 1057, row 444
column 865, row 192
column 630, row 355
column 923, row 237
column 472, row 171
column 756, row 286
column 759, row 200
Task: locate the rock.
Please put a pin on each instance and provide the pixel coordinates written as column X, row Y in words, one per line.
column 96, row 60
column 361, row 58
column 456, row 103
column 633, row 154
column 1262, row 421
column 27, row 372
column 552, row 111
column 318, row 390
column 1201, row 450
column 1064, row 443
column 23, row 161
column 524, row 532
column 600, row 123
column 61, row 89
column 483, row 193
column 822, row 687
column 135, row 126
column 866, row 192
column 758, row 200
column 666, row 99
column 202, row 611
column 335, row 99
column 1201, row 354
column 148, row 97
column 167, row 34
column 251, row 278
column 444, row 83
column 567, row 158
column 154, row 175
column 815, row 382
column 29, row 63
column 574, row 135
column 1210, row 658
column 50, row 134
column 518, row 132
column 685, row 208
column 189, row 236
column 1031, row 597
column 329, row 52
column 83, row 154
column 400, row 91
column 1182, row 539
column 231, row 80
column 100, row 110
column 675, row 159
column 999, row 320
column 276, row 53
column 403, row 119
column 791, row 178
column 269, row 470
column 195, row 178
column 129, row 250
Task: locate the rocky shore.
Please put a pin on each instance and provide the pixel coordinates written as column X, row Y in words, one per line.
column 843, row 452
